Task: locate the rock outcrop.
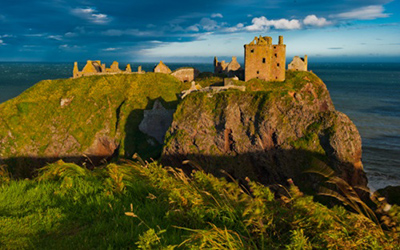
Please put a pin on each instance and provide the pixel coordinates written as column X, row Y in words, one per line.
column 269, row 135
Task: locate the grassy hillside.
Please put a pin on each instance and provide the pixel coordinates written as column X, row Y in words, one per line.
column 150, row 207
column 63, row 117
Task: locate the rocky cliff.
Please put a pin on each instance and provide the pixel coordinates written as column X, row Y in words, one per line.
column 271, row 132
column 84, row 119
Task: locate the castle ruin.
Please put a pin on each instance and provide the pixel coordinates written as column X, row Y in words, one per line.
column 298, row 64
column 264, row 60
column 162, row 68
column 97, row 68
column 231, row 69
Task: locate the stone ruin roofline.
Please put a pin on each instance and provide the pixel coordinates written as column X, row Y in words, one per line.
column 95, row 67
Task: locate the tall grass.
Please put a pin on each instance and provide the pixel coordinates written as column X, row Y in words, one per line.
column 148, row 206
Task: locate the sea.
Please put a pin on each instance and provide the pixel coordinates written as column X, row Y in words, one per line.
column 369, row 93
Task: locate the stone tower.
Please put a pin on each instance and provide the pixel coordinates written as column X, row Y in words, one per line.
column 264, row 60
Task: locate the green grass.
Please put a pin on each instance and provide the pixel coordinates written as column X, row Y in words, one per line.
column 153, row 207
column 35, row 123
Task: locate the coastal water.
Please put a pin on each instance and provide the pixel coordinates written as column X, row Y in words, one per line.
column 369, row 93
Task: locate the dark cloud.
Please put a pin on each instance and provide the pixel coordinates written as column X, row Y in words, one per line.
column 335, row 48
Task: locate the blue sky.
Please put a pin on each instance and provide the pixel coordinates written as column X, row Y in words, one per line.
column 195, row 31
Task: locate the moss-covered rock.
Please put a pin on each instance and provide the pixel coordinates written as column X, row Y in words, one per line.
column 89, row 117
column 271, row 132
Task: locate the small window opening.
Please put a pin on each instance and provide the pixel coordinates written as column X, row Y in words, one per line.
column 276, row 78
column 263, row 60
column 258, row 72
column 277, row 64
column 252, row 51
column 276, row 55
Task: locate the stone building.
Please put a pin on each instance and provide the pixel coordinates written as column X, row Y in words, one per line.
column 264, row 60
column 186, row 74
column 299, row 64
column 231, row 69
column 162, row 68
column 97, row 68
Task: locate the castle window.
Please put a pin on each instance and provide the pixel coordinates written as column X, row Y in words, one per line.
column 277, row 64
column 252, row 51
column 258, row 72
column 276, row 55
column 263, row 60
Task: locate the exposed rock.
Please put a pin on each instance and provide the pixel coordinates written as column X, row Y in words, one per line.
column 156, row 121
column 391, row 193
column 267, row 136
column 66, row 101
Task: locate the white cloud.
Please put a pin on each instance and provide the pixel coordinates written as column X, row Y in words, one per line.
column 91, row 15
column 214, row 15
column 364, row 13
column 35, row 35
column 111, row 49
column 69, row 47
column 208, row 24
column 129, row 32
column 313, row 20
column 55, row 37
column 262, row 24
column 2, row 43
column 70, row 34
column 194, row 28
column 238, row 27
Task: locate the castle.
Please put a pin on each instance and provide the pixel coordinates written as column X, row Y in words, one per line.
column 263, row 60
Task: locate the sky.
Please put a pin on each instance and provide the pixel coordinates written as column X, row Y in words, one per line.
column 196, row 31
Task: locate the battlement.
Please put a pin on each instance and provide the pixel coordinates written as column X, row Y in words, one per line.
column 264, row 41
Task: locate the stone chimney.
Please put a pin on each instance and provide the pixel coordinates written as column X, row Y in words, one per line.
column 280, row 40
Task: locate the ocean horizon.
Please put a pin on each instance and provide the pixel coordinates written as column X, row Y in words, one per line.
column 367, row 92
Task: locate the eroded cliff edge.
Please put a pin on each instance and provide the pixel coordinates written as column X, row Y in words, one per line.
column 270, row 133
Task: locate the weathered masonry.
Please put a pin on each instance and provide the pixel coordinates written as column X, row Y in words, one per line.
column 97, row 68
column 264, row 60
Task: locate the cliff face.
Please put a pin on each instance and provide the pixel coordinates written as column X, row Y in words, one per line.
column 269, row 135
column 84, row 119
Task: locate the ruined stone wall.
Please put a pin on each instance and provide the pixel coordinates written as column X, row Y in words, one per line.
column 186, row 74
column 96, row 68
column 263, row 60
column 162, row 68
column 298, row 64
